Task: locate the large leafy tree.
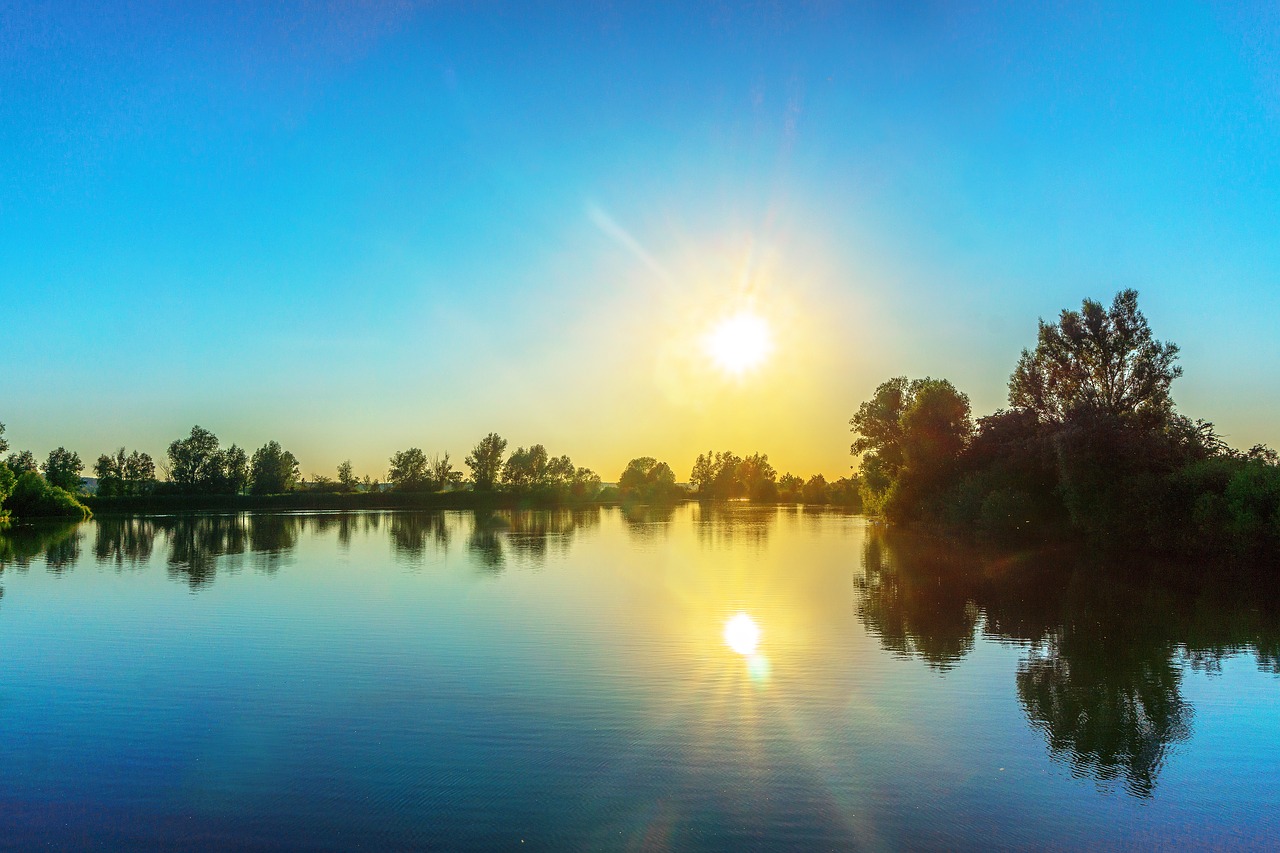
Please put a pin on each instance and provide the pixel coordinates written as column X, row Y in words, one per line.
column 122, row 474
column 485, row 461
column 196, row 463
column 347, row 478
column 107, row 470
column 585, row 483
column 646, row 479
column 535, row 468
column 758, row 477
column 715, row 475
column 273, row 470
column 1101, row 360
column 815, row 490
column 910, row 435
column 62, row 469
column 409, row 470
column 22, row 461
column 235, row 469
column 138, row 472
column 526, row 468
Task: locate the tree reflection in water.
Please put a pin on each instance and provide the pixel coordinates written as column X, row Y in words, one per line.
column 123, row 541
column 1106, row 648
column 527, row 536
column 197, row 547
column 647, row 524
column 416, row 534
column 926, row 613
column 734, row 523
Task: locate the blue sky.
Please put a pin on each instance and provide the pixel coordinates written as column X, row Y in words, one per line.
column 360, row 227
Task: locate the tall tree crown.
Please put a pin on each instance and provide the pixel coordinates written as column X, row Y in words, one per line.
column 1104, row 360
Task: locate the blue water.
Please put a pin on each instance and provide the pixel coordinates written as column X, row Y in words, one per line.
column 562, row 681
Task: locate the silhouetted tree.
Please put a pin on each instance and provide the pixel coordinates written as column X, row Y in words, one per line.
column 815, row 491
column 715, row 476
column 107, row 470
column 758, row 478
column 121, row 474
column 235, row 469
column 846, row 492
column 1099, row 359
column 4, row 444
column 910, row 435
column 408, row 470
column 139, row 473
column 585, row 484
column 62, row 469
column 322, row 483
column 197, row 464
column 347, row 478
column 790, row 488
column 22, row 461
column 646, row 479
column 485, row 461
column 526, row 468
column 273, row 470
column 442, row 474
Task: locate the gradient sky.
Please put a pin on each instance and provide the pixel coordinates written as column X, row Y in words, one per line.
column 356, row 228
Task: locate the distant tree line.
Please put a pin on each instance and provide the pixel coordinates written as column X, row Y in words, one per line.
column 725, row 475
column 1091, row 446
column 24, row 492
column 198, row 465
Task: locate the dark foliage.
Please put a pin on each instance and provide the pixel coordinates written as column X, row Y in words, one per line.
column 1092, row 448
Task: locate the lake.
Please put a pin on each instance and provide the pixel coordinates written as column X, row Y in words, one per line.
column 703, row 678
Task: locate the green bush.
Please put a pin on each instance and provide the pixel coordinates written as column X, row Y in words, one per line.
column 32, row 497
column 1253, row 500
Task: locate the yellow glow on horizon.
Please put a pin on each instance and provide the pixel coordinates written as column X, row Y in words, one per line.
column 742, row 634
column 739, row 343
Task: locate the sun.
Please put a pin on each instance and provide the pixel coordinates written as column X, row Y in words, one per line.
column 739, row 343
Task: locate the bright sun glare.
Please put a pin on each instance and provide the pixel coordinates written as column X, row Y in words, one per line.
column 742, row 634
column 739, row 342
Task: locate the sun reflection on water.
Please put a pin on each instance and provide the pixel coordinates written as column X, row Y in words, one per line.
column 742, row 634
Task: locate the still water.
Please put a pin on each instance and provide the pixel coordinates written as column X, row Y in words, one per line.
column 703, row 678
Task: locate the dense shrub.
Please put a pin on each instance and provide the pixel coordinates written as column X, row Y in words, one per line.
column 32, row 497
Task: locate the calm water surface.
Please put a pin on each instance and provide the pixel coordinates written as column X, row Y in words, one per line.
column 563, row 681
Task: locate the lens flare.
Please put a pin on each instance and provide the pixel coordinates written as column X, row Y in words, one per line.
column 742, row 634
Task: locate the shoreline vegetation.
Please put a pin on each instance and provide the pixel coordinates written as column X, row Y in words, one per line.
column 1090, row 451
column 201, row 475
